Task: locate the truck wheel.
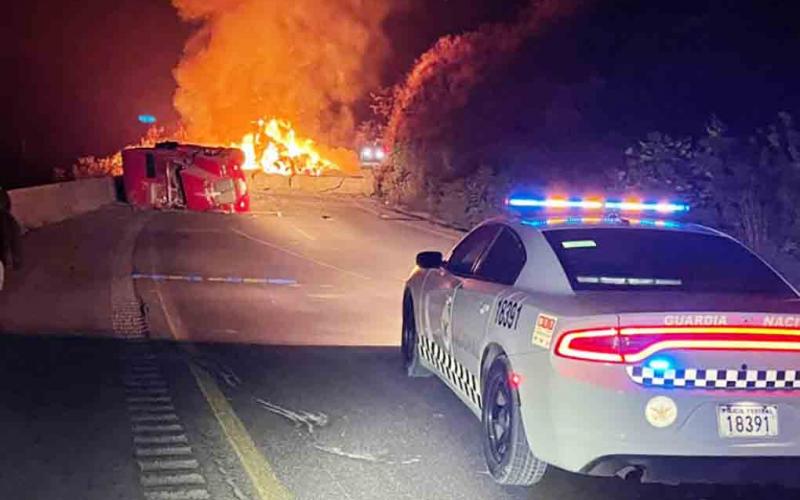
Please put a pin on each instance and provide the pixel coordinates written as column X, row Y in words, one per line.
column 505, row 445
column 408, row 345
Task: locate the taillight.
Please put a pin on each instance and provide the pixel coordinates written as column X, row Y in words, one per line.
column 635, row 344
column 593, row 345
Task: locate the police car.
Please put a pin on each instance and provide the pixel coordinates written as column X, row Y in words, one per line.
column 607, row 338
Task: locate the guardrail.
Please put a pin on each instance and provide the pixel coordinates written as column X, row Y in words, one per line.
column 40, row 205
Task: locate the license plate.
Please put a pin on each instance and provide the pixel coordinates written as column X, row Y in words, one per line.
column 747, row 420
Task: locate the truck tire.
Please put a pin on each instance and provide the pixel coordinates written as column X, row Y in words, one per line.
column 409, row 348
column 505, row 445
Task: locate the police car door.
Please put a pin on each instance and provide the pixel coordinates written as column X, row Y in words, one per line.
column 440, row 285
column 477, row 302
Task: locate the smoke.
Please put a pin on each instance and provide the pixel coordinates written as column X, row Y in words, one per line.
column 304, row 61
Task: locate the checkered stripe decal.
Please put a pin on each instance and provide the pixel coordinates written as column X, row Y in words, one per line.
column 448, row 366
column 716, row 379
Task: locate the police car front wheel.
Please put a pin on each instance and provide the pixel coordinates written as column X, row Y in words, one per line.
column 505, row 445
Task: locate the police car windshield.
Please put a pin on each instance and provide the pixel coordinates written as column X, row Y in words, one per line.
column 647, row 259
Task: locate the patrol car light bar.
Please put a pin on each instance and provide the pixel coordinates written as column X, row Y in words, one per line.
column 636, row 344
column 556, row 221
column 596, row 204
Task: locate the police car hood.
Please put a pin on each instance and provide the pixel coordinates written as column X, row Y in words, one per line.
column 609, row 302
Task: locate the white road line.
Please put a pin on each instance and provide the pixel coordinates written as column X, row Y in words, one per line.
column 299, row 255
column 155, row 417
column 156, row 465
column 148, row 399
column 166, row 451
column 151, row 408
column 307, row 235
column 151, row 480
column 196, row 494
column 157, row 428
column 421, row 225
column 163, row 439
column 266, row 212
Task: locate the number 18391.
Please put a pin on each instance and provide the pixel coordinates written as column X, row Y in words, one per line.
column 747, row 420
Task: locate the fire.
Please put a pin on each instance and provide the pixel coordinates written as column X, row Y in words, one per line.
column 275, row 148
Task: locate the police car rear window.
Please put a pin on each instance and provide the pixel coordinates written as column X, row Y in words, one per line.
column 636, row 259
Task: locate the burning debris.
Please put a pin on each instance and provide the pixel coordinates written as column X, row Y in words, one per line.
column 275, row 149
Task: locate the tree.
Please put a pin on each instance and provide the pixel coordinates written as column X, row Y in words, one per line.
column 747, row 185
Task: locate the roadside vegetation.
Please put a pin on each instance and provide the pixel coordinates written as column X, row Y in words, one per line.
column 476, row 118
column 111, row 166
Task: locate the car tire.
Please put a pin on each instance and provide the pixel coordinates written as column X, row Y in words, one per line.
column 505, row 446
column 409, row 348
column 2, row 274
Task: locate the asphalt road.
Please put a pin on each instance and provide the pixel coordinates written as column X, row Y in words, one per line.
column 311, row 358
column 271, row 365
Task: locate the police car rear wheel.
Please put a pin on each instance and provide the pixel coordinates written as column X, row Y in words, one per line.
column 408, row 345
column 505, row 445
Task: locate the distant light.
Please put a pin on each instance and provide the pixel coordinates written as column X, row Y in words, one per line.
column 147, row 119
column 659, row 364
column 379, row 154
column 366, row 153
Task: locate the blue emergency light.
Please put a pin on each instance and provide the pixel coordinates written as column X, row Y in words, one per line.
column 660, row 364
column 146, row 119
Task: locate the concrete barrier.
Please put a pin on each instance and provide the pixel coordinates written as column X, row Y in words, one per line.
column 40, row 205
column 325, row 184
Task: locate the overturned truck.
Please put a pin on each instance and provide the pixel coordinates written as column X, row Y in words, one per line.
column 173, row 175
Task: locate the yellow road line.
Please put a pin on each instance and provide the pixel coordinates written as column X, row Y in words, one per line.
column 263, row 479
column 265, row 484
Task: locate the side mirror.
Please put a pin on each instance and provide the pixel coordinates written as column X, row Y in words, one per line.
column 429, row 260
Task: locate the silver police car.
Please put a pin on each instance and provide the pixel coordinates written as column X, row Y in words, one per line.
column 611, row 344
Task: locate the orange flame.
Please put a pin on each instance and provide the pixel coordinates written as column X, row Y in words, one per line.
column 275, row 148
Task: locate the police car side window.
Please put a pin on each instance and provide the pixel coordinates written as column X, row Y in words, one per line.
column 504, row 260
column 467, row 253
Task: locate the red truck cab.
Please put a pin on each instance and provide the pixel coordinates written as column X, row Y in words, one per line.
column 172, row 175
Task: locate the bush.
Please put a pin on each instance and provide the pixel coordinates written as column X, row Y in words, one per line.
column 745, row 185
column 90, row 166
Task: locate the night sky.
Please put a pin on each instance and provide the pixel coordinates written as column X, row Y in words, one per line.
column 77, row 73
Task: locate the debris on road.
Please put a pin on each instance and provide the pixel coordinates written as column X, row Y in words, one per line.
column 365, row 457
column 310, row 420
